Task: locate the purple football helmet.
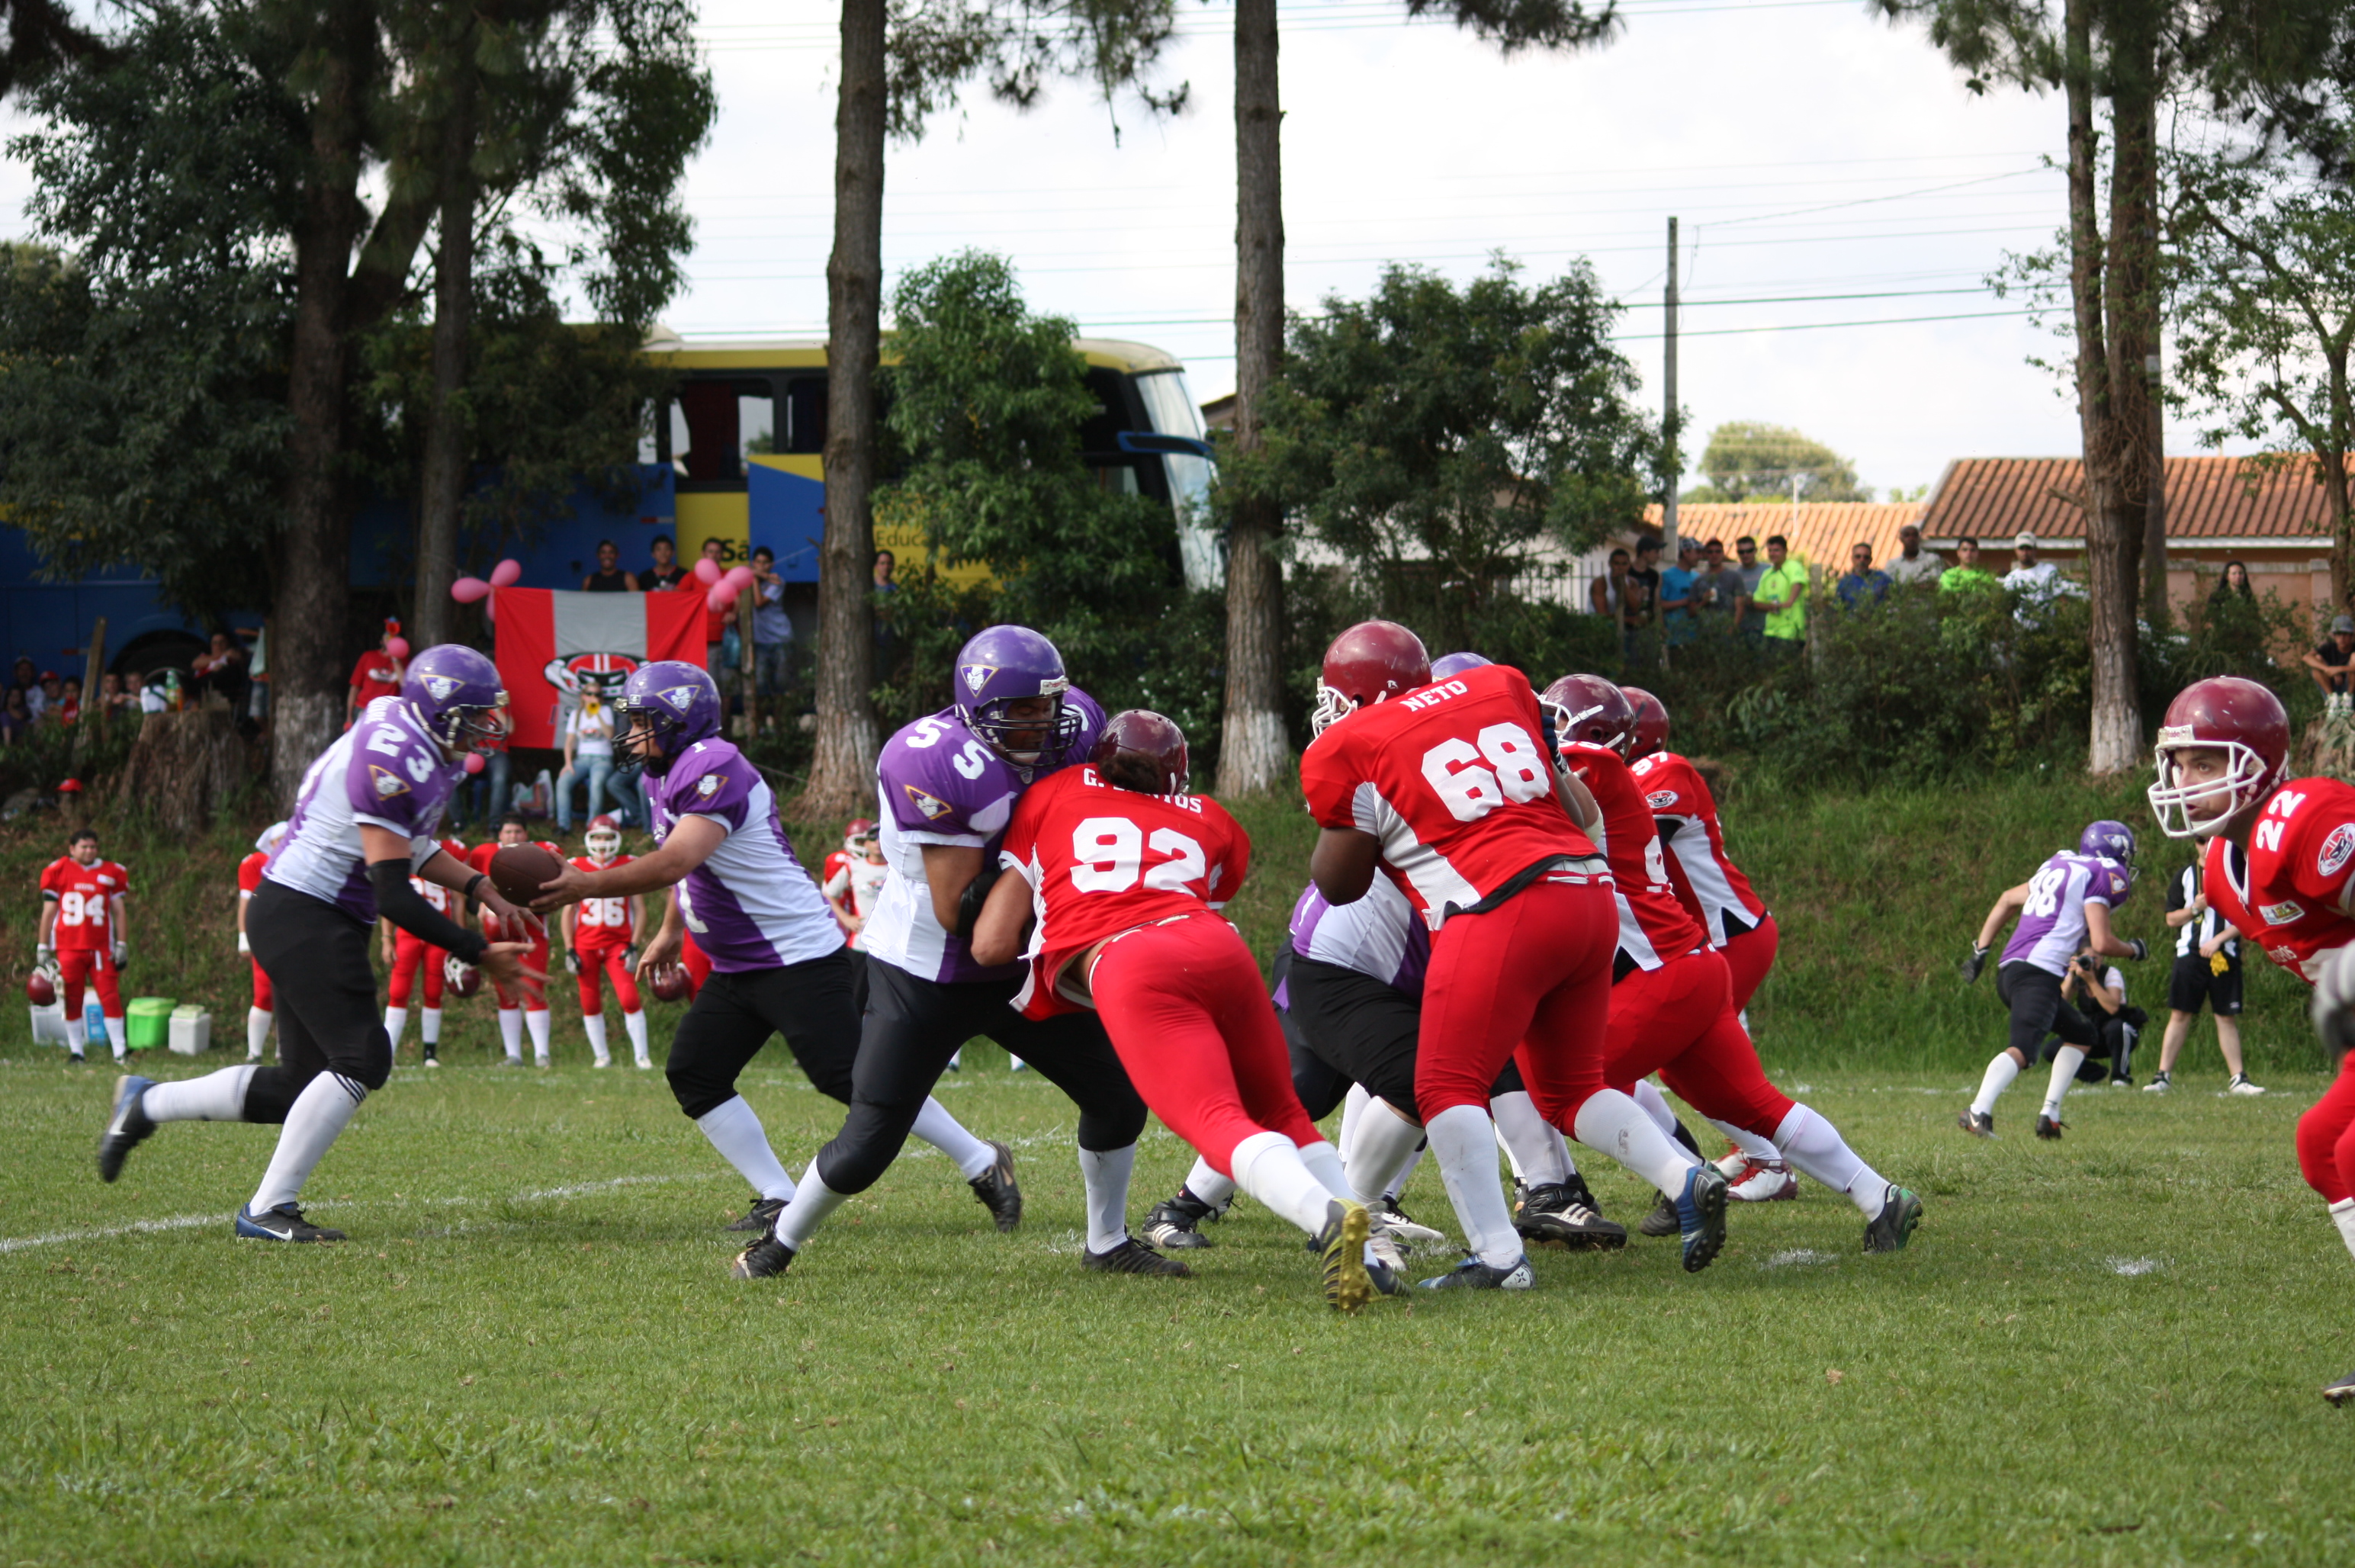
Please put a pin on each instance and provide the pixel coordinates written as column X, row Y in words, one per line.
column 1005, row 665
column 672, row 701
column 2113, row 839
column 1446, row 664
column 456, row 694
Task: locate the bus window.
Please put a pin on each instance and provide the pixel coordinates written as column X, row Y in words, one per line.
column 716, row 424
column 1170, row 409
column 804, row 414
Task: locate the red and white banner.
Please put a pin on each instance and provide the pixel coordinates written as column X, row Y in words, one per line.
column 553, row 646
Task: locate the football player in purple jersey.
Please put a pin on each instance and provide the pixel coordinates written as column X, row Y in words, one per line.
column 947, row 784
column 2065, row 908
column 368, row 818
column 778, row 965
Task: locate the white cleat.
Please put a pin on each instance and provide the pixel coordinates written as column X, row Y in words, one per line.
column 2241, row 1086
column 1763, row 1181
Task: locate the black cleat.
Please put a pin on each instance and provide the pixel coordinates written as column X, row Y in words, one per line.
column 760, row 1215
column 1473, row 1275
column 127, row 1129
column 2048, row 1129
column 283, row 1224
column 764, row 1259
column 76, row 1059
column 1172, row 1223
column 997, row 1190
column 1979, row 1124
column 1894, row 1227
column 1701, row 1216
column 1662, row 1220
column 1551, row 1213
column 2340, row 1390
column 1133, row 1256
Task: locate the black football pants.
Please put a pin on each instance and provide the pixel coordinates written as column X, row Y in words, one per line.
column 734, row 1015
column 329, row 1017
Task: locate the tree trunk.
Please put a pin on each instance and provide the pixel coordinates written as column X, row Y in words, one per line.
column 842, row 775
column 1254, row 750
column 2332, row 461
column 441, row 490
column 306, row 660
column 183, row 769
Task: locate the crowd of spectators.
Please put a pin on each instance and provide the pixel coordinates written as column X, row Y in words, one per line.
column 37, row 697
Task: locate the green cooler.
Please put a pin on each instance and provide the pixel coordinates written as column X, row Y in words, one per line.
column 148, row 1021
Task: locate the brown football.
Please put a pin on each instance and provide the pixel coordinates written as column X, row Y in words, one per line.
column 670, row 982
column 39, row 990
column 460, row 977
column 518, row 870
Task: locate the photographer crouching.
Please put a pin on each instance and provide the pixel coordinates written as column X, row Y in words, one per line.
column 2099, row 995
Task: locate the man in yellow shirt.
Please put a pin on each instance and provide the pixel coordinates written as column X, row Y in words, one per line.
column 1783, row 595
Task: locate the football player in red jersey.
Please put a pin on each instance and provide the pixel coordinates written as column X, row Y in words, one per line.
column 1125, row 873
column 1672, row 1007
column 530, row 1006
column 1449, row 789
column 263, row 1012
column 81, row 925
column 857, row 840
column 2280, row 868
column 601, row 935
column 405, row 954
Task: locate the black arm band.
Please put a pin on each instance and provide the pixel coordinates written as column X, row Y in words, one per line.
column 478, row 880
column 976, row 894
column 403, row 905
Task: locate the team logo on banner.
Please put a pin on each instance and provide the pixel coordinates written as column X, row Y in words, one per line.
column 591, row 675
column 388, row 783
column 679, row 697
column 931, row 805
column 976, row 675
column 2337, row 850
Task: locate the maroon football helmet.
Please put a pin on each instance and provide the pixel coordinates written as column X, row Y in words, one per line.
column 1142, row 751
column 1370, row 661
column 2241, row 719
column 1651, row 722
column 1590, row 709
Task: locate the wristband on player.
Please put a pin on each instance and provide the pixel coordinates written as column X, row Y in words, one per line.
column 42, row 953
column 478, row 878
column 243, row 946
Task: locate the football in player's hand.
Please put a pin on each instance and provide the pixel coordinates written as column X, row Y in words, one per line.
column 669, row 982
column 39, row 990
column 462, row 977
column 518, row 870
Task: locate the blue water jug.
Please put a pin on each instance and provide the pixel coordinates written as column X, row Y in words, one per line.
column 93, row 1022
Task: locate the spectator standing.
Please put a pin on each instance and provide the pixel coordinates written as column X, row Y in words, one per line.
column 1862, row 584
column 15, row 719
column 1914, row 564
column 377, row 674
column 717, row 623
column 1967, row 573
column 1608, row 592
column 668, row 574
column 2207, row 971
column 69, row 702
column 2233, row 584
column 221, row 668
column 112, row 697
column 588, row 754
column 52, row 698
column 772, row 629
column 886, row 563
column 2328, row 664
column 886, row 641
column 1754, row 570
column 1677, row 622
column 1641, row 607
column 2030, row 574
column 609, row 577
column 1783, row 592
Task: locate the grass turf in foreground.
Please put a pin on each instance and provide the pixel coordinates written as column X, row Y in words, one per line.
column 2101, row 1350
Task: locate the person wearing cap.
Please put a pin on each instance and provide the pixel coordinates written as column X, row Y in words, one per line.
column 2037, row 581
column 1676, row 619
column 1914, row 564
column 1967, row 574
column 2328, row 664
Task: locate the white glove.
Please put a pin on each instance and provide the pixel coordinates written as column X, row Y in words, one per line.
column 2333, row 1010
column 572, row 961
column 243, row 944
column 42, row 953
column 121, row 952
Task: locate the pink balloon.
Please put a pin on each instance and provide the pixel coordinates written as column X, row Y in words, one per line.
column 741, row 577
column 474, row 762
column 396, row 647
column 466, row 590
column 706, row 572
column 505, row 574
column 719, row 599
column 490, row 609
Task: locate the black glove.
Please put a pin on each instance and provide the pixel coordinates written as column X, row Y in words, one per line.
column 976, row 894
column 572, row 960
column 1973, row 964
column 2141, row 948
column 630, row 959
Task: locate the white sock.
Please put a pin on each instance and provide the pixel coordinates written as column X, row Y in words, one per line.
column 946, row 1134
column 118, row 1036
column 1611, row 1123
column 1105, row 1177
column 320, row 1113
column 215, row 1097
column 1647, row 1094
column 1816, row 1149
column 812, row 1201
column 596, row 1028
column 1464, row 1142
column 396, row 1020
column 1268, row 1167
column 1205, row 1183
column 2000, row 1075
column 1398, row 1183
column 1748, row 1142
column 1535, row 1148
column 2342, row 1213
column 636, row 1025
column 538, row 1021
column 1386, row 1142
column 257, row 1032
column 428, row 1024
column 2065, row 1073
column 1323, row 1161
column 511, row 1032
column 1353, row 1105
column 737, row 1134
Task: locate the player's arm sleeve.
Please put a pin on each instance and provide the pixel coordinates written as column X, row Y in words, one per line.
column 1325, row 780
column 2320, row 857
column 922, row 816
column 406, row 908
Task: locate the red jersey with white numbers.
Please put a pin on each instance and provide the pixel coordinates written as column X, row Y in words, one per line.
column 1454, row 780
column 1654, row 927
column 601, row 923
column 1102, row 861
column 480, row 858
column 2289, row 893
column 1705, row 876
column 84, row 894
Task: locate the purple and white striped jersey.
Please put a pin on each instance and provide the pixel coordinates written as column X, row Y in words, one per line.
column 2051, row 926
column 752, row 905
column 385, row 771
column 1381, row 935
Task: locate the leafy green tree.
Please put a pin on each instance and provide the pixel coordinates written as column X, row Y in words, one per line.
column 1745, row 461
column 1445, row 443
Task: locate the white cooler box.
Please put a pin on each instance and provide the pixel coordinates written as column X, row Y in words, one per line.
column 49, row 1026
column 192, row 1031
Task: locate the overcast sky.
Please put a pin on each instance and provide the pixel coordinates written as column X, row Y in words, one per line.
column 1808, row 149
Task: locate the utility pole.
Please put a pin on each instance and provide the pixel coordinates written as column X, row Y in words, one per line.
column 2154, row 529
column 1671, row 464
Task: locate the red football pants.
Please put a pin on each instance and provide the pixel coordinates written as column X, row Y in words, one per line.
column 2326, row 1137
column 1190, row 1017
column 262, row 995
column 76, row 965
column 1529, row 981
column 608, row 961
column 409, row 954
column 1679, row 1021
column 1750, row 955
column 534, row 959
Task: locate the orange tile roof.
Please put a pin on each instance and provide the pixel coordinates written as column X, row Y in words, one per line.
column 1995, row 498
column 1820, row 532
